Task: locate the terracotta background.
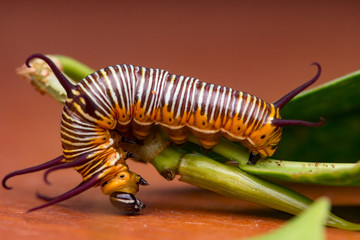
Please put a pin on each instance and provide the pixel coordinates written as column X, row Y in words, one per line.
column 263, row 47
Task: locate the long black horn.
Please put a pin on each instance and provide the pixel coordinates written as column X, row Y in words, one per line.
column 67, row 85
column 83, row 186
column 291, row 122
column 54, row 162
column 285, row 99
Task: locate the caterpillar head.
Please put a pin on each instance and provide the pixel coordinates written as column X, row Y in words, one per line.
column 122, row 187
column 265, row 140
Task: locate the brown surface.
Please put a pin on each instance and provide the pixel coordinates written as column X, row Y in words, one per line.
column 261, row 48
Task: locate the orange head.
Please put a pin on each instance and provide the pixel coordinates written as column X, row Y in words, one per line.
column 122, row 187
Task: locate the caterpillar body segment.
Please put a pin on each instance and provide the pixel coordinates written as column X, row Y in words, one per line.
column 124, row 100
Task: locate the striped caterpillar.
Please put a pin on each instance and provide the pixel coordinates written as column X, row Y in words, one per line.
column 122, row 100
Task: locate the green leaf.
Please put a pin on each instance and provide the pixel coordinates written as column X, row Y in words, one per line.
column 334, row 98
column 308, row 225
column 338, row 141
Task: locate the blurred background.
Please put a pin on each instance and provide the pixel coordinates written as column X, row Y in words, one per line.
column 260, row 47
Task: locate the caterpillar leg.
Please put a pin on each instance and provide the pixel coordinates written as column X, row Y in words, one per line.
column 253, row 158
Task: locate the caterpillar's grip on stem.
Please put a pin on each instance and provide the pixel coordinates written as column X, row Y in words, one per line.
column 125, row 102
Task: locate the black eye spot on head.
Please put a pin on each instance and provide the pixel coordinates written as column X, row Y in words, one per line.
column 123, row 116
column 203, row 123
column 122, row 176
column 109, row 123
column 140, row 116
column 238, row 128
column 169, row 119
column 262, row 137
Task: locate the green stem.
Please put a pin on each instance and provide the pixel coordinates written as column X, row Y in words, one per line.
column 334, row 174
column 166, row 163
column 73, row 68
column 231, row 181
column 207, row 173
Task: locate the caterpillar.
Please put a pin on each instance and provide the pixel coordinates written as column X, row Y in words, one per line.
column 113, row 102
